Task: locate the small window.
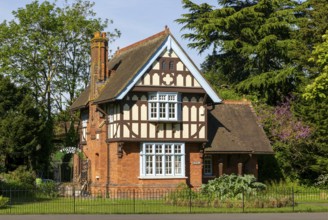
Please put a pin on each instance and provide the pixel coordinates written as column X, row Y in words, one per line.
column 84, row 127
column 164, row 106
column 208, row 165
column 163, row 65
column 171, row 65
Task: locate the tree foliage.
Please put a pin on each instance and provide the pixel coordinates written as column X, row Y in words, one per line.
column 47, row 48
column 20, row 126
column 271, row 51
column 318, row 89
column 248, row 38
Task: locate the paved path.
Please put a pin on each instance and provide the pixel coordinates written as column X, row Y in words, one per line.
column 245, row 216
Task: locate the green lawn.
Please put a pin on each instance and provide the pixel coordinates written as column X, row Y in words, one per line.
column 128, row 206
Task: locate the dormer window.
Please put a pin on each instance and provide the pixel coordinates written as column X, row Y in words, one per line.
column 164, row 106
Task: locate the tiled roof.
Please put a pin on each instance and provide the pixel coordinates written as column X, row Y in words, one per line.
column 233, row 128
column 123, row 66
column 81, row 101
column 127, row 62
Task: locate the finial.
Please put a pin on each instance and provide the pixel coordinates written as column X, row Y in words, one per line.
column 167, row 29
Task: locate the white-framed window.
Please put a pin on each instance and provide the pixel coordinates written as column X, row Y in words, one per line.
column 208, row 170
column 162, row 160
column 164, row 106
column 84, row 123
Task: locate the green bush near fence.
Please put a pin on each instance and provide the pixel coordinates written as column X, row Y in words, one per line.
column 3, row 201
column 227, row 191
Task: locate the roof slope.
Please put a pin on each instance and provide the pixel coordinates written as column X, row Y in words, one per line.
column 127, row 62
column 233, row 128
column 82, row 100
column 131, row 62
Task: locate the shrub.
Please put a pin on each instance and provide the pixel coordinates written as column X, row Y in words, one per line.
column 322, row 181
column 21, row 178
column 47, row 189
column 232, row 187
column 3, row 201
column 181, row 196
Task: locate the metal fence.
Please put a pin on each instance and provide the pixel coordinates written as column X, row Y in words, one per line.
column 130, row 201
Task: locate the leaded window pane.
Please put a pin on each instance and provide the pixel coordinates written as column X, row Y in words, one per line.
column 177, row 165
column 162, row 110
column 168, row 164
column 171, row 110
column 149, row 164
column 159, row 165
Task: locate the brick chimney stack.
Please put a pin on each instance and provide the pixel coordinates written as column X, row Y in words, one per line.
column 99, row 59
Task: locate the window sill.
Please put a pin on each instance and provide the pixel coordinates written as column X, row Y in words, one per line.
column 209, row 176
column 161, row 177
column 163, row 121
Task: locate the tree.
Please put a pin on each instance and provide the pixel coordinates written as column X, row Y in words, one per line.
column 250, row 41
column 262, row 48
column 318, row 89
column 20, row 126
column 46, row 48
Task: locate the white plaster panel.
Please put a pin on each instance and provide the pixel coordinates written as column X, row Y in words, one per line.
column 152, row 131
column 156, row 79
column 126, row 131
column 169, row 130
column 193, row 113
column 178, row 131
column 202, row 114
column 156, row 66
column 143, row 130
column 185, row 128
column 135, row 112
column 126, row 112
column 135, row 128
column 140, row 82
column 110, row 131
column 166, row 54
column 143, row 112
column 185, row 113
column 174, row 55
column 193, row 129
column 196, row 84
column 180, row 80
column 179, row 66
column 160, row 133
column 188, row 81
column 202, row 132
column 147, row 79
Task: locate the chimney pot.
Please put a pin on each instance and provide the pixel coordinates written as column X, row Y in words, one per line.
column 103, row 34
column 97, row 34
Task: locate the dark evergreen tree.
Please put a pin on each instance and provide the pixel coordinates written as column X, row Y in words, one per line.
column 21, row 124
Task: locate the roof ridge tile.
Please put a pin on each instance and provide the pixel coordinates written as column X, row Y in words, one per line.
column 141, row 42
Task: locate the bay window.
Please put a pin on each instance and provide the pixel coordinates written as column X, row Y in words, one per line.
column 162, row 160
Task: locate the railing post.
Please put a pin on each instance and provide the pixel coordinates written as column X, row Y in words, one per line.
column 293, row 199
column 190, row 202
column 74, row 199
column 243, row 197
column 134, row 201
column 10, row 200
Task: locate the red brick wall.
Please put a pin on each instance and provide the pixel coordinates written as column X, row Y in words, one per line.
column 230, row 164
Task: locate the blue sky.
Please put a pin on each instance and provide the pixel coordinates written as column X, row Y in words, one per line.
column 136, row 19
